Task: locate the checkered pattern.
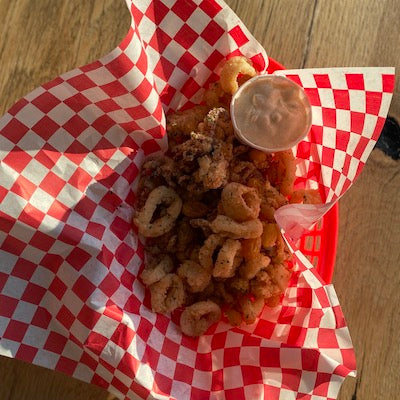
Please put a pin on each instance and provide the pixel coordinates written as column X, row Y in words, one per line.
column 349, row 108
column 70, row 153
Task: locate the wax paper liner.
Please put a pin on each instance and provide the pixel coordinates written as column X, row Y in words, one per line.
column 70, row 154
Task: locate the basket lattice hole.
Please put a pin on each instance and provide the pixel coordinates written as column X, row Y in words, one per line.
column 317, row 243
column 309, row 243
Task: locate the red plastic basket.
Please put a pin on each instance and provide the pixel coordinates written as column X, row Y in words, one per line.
column 319, row 244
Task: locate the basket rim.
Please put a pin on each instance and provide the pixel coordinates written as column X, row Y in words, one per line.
column 330, row 222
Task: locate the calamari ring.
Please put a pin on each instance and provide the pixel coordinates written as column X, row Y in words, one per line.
column 287, row 163
column 167, row 294
column 270, row 235
column 185, row 238
column 228, row 259
column 228, row 227
column 196, row 277
column 239, row 284
column 231, row 70
column 240, row 202
column 158, row 196
column 207, row 250
column 280, row 275
column 263, row 286
column 234, row 317
column 221, row 293
column 251, row 309
column 251, row 267
column 251, row 248
column 198, row 317
column 155, row 274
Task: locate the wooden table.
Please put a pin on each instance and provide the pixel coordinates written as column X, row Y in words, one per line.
column 40, row 39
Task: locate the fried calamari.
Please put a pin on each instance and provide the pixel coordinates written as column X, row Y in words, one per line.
column 207, row 208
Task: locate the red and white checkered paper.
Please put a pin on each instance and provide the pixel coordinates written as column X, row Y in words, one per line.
column 70, row 153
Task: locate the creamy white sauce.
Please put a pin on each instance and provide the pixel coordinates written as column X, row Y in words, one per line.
column 271, row 112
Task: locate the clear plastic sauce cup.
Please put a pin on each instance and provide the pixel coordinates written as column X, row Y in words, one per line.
column 270, row 113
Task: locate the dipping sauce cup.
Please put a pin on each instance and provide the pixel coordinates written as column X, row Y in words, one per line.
column 270, row 113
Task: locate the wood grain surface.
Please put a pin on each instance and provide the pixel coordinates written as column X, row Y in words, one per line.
column 40, row 39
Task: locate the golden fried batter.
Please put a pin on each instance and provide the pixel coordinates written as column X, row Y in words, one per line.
column 207, row 208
